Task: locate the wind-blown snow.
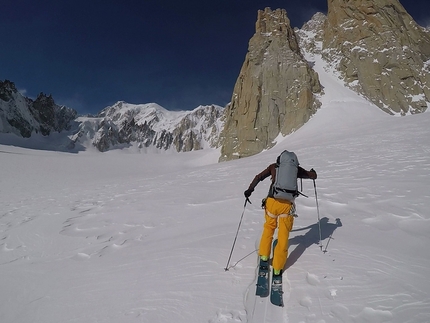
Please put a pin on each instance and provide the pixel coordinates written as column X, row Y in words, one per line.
column 127, row 237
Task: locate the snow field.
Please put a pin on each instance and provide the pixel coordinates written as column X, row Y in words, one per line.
column 122, row 237
column 129, row 237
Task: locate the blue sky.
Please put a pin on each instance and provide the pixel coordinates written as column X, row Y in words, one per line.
column 179, row 54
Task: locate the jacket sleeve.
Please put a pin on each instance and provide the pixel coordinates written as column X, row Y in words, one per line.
column 260, row 177
column 303, row 173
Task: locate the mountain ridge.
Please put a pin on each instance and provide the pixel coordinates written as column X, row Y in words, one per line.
column 277, row 90
column 23, row 116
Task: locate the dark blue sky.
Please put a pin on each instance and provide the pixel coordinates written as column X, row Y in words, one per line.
column 179, row 54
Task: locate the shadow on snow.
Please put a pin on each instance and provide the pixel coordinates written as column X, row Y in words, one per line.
column 311, row 237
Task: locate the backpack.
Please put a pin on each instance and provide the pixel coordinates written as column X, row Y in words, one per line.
column 285, row 185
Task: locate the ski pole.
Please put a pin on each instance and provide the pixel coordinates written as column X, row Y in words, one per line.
column 237, row 232
column 318, row 212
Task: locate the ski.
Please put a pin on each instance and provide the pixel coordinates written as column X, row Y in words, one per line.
column 276, row 290
column 263, row 282
column 263, row 279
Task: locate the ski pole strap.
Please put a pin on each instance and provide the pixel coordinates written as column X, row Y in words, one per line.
column 246, row 201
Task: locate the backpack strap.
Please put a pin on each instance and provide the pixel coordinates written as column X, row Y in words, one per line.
column 295, row 193
column 300, row 193
column 278, row 189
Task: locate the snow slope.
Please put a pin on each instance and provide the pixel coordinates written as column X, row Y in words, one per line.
column 128, row 237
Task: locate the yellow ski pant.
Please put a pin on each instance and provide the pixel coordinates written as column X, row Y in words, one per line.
column 278, row 213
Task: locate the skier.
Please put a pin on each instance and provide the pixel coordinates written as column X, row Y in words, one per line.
column 279, row 205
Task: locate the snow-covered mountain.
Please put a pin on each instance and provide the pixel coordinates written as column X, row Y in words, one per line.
column 122, row 237
column 23, row 116
column 375, row 48
column 143, row 125
column 150, row 125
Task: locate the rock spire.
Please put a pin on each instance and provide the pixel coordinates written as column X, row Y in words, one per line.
column 274, row 93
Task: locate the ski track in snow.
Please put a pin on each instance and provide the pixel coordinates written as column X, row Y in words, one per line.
column 126, row 237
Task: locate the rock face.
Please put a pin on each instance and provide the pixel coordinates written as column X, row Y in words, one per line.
column 381, row 53
column 150, row 125
column 274, row 93
column 23, row 116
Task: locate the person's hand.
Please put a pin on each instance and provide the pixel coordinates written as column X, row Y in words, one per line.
column 313, row 174
column 248, row 192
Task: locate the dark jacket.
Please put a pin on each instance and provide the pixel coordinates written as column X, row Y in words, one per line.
column 271, row 171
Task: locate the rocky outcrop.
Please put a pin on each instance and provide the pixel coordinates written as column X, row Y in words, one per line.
column 51, row 117
column 150, row 125
column 23, row 116
column 381, row 52
column 274, row 93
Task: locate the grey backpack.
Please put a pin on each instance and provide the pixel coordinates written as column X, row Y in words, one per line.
column 285, row 185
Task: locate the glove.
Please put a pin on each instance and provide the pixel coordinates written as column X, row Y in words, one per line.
column 313, row 174
column 248, row 192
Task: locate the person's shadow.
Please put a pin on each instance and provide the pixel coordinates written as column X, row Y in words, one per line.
column 311, row 237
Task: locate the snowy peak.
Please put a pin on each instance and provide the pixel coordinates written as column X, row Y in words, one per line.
column 150, row 113
column 150, row 125
column 122, row 107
